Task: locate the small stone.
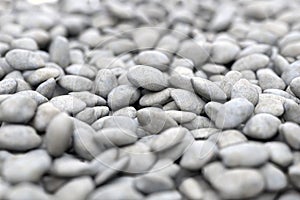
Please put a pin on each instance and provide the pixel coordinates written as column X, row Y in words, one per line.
column 198, row 154
column 233, row 113
column 105, row 82
column 37, row 97
column 262, row 126
column 122, row 96
column 187, row 101
column 172, row 194
column 292, row 72
column 191, row 189
column 75, row 83
column 68, row 103
column 38, row 162
column 41, row 75
column 8, row 86
column 28, row 191
column 151, row 183
column 24, row 43
column 280, row 153
column 249, row 154
column 289, row 195
column 89, row 98
column 24, row 60
column 181, row 117
column 204, row 133
column 121, row 122
column 208, row 89
column 76, row 189
column 127, row 112
column 268, row 79
column 275, row 179
column 270, row 104
column 244, row 89
column 212, row 108
column 22, row 112
column 147, row 77
column 145, row 37
column 294, row 174
column 251, row 62
column 156, row 98
column 231, row 184
column 228, row 138
column 18, row 138
column 59, row 51
column 81, row 70
column 47, row 88
column 291, row 133
column 154, row 59
column 59, row 134
column 291, row 111
column 224, row 52
column 295, row 85
column 291, row 50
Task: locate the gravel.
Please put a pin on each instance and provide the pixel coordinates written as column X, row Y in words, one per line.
column 147, row 100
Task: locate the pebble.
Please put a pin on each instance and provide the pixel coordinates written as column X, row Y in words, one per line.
column 231, row 184
column 154, row 59
column 38, row 162
column 191, row 189
column 20, row 59
column 290, row 132
column 280, row 153
column 187, row 101
column 252, row 62
column 291, row 111
column 41, row 75
column 275, row 179
column 270, row 104
column 228, row 138
column 204, row 133
column 105, row 82
column 19, row 138
column 81, row 70
column 24, row 43
column 59, row 134
column 68, row 103
column 27, row 191
column 47, row 88
column 147, row 77
column 8, row 86
column 181, row 117
column 249, row 154
column 24, row 109
column 290, row 73
column 262, row 126
column 293, row 173
column 122, row 96
column 224, row 52
column 89, row 98
column 208, row 89
column 294, row 86
column 268, row 79
column 59, row 51
column 233, row 113
column 37, row 97
column 151, row 183
column 244, row 89
column 198, row 154
column 75, row 83
column 155, row 98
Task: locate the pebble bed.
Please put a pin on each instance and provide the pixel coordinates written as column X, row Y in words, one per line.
column 155, row 100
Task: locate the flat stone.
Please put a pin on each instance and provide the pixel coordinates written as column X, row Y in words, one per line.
column 191, row 189
column 75, row 83
column 252, row 62
column 154, row 59
column 244, row 89
column 105, row 82
column 151, row 183
column 280, row 153
column 291, row 132
column 41, row 75
column 274, row 178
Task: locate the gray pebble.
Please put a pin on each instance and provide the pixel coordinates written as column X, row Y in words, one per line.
column 24, row 60
column 212, row 108
column 37, row 97
column 233, row 113
column 47, row 88
column 152, row 183
column 199, row 122
column 251, row 62
column 231, row 184
column 22, row 112
column 208, row 89
column 290, row 132
column 198, row 154
column 249, row 154
column 154, row 59
column 76, row 189
column 167, row 195
column 68, row 103
column 291, row 50
column 262, row 126
column 204, row 133
column 121, row 122
column 293, row 173
column 292, row 111
column 8, row 86
column 75, row 83
column 267, row 79
column 147, row 77
column 187, row 101
column 24, row 43
column 271, row 104
column 244, row 89
column 280, row 153
column 146, row 37
column 275, row 179
column 28, row 191
column 156, row 98
column 38, row 162
column 289, row 195
column 229, row 80
column 122, row 96
column 127, row 111
column 228, row 138
column 41, row 75
column 90, row 115
column 181, row 117
column 58, row 134
column 294, row 86
column 255, row 48
column 89, row 98
column 292, row 72
column 224, row 52
column 104, row 83
column 59, row 51
column 81, row 70
column 191, row 189
column 19, row 138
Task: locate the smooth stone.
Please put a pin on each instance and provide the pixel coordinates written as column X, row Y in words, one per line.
column 23, row 109
column 291, row 111
column 154, row 59
column 294, row 86
column 76, row 189
column 231, row 184
column 212, row 108
column 293, row 71
column 233, row 113
column 24, row 60
column 228, row 138
column 105, row 82
column 208, row 89
column 270, row 104
column 280, row 153
column 122, row 96
column 24, row 43
column 37, row 97
column 204, row 133
column 90, row 115
column 75, row 83
column 294, row 174
column 59, row 134
column 81, row 70
column 249, row 154
column 191, row 188
column 181, row 117
column 268, row 79
column 19, row 138
column 68, row 103
column 199, row 122
column 291, row 132
column 252, row 62
column 289, row 195
column 127, row 112
column 198, row 154
column 151, row 183
column 275, row 179
column 172, row 194
column 187, row 101
column 147, row 77
column 8, row 86
column 41, row 75
column 155, row 98
column 47, row 88
column 59, row 51
column 38, row 162
column 262, row 126
column 223, row 52
column 244, row 89
column 89, row 98
column 28, row 191
column 145, row 37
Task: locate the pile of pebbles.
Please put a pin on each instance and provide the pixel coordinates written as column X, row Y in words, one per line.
column 151, row 100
